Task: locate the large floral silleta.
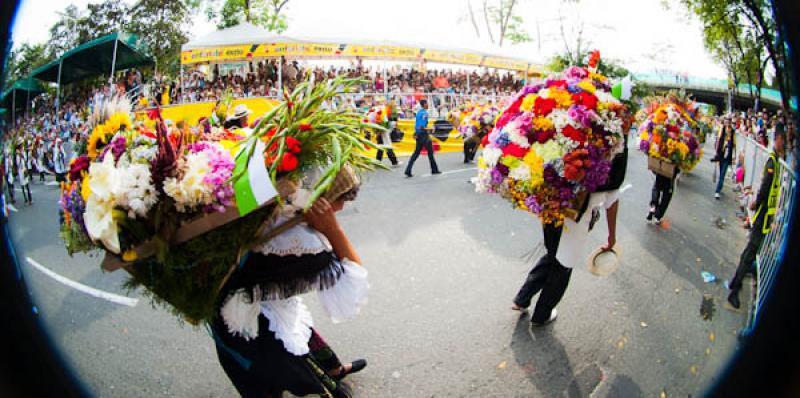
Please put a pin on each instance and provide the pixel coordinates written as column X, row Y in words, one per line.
column 553, row 143
column 669, row 131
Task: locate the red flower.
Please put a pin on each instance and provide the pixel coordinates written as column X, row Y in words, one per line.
column 288, row 163
column 673, row 129
column 544, row 136
column 485, row 140
column 543, row 106
column 586, row 99
column 574, row 134
column 514, row 150
column 154, row 113
column 557, row 83
column 305, row 126
column 293, row 144
column 505, row 118
column 594, row 58
column 149, row 134
column 80, row 164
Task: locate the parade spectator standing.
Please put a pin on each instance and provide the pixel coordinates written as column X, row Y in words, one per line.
column 60, row 161
column 726, row 147
column 9, row 170
column 22, row 161
column 422, row 136
column 765, row 207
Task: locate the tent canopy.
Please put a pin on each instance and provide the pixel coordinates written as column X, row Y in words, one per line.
column 245, row 41
column 95, row 57
column 24, row 88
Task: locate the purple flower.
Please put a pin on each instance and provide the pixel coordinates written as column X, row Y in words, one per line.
column 118, row 146
column 502, row 140
column 573, row 88
column 497, row 177
column 532, row 204
column 503, row 169
column 580, row 114
column 597, row 175
column 644, row 146
column 575, row 73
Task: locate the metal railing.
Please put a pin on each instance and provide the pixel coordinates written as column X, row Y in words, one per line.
column 770, row 254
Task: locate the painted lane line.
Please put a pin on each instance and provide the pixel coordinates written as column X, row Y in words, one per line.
column 450, row 172
column 51, row 183
column 11, row 207
column 114, row 298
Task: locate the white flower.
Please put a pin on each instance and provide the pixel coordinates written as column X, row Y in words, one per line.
column 190, row 191
column 137, row 192
column 515, row 134
column 560, row 118
column 491, row 156
column 520, row 173
column 104, row 182
column 482, row 181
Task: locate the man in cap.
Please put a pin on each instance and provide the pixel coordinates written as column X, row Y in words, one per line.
column 239, row 117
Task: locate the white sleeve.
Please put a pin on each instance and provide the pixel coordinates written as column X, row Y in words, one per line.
column 344, row 299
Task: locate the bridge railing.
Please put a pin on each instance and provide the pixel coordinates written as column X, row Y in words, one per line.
column 770, row 254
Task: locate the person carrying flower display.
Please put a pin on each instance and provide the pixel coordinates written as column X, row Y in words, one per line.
column 265, row 337
column 667, row 136
column 550, row 149
column 475, row 125
column 382, row 115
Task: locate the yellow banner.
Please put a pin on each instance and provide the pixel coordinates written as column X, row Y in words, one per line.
column 332, row 50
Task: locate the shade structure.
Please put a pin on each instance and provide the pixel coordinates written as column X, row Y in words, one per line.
column 95, row 58
column 246, row 42
column 23, row 90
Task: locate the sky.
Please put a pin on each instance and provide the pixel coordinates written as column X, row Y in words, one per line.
column 643, row 35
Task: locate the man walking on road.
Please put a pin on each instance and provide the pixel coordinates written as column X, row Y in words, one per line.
column 423, row 139
column 765, row 207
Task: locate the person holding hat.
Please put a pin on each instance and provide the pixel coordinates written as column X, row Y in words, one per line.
column 765, row 207
column 238, row 118
column 265, row 338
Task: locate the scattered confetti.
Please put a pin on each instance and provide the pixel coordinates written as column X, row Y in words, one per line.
column 396, row 374
column 693, row 369
column 502, row 365
column 643, row 324
column 663, row 394
column 699, row 259
column 711, row 337
column 677, row 291
column 708, row 351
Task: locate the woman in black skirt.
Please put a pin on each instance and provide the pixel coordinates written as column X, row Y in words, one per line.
column 264, row 335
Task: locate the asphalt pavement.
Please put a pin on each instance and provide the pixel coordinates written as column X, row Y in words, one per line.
column 444, row 264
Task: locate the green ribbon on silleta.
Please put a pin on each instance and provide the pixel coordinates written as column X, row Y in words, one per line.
column 254, row 188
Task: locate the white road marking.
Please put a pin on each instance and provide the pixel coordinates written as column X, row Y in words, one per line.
column 11, row 207
column 625, row 188
column 114, row 298
column 51, row 183
column 450, row 172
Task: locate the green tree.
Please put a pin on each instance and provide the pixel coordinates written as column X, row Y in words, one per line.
column 25, row 59
column 500, row 21
column 164, row 27
column 607, row 67
column 742, row 36
column 269, row 14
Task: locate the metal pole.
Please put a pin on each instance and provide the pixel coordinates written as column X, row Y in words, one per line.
column 13, row 107
column 385, row 82
column 280, row 77
column 113, row 65
column 27, row 102
column 180, row 85
column 58, row 87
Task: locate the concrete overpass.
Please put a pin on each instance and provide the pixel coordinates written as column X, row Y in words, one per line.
column 713, row 91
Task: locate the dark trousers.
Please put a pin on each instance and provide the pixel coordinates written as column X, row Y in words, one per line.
column 423, row 141
column 747, row 261
column 389, row 152
column 470, row 149
column 548, row 275
column 26, row 193
column 723, row 169
column 10, row 188
column 662, row 194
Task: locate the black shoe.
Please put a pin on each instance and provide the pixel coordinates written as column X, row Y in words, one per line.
column 355, row 367
column 436, row 172
column 733, row 299
column 408, row 174
column 342, row 390
column 650, row 216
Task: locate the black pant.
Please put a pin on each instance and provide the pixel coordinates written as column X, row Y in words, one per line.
column 470, row 148
column 662, row 194
column 26, row 196
column 747, row 261
column 548, row 275
column 10, row 188
column 389, row 152
column 423, row 141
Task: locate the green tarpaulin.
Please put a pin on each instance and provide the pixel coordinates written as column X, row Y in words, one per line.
column 25, row 89
column 95, row 57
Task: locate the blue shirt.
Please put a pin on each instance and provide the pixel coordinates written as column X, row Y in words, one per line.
column 421, row 122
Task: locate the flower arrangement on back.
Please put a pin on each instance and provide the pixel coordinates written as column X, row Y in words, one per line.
column 669, row 131
column 553, row 143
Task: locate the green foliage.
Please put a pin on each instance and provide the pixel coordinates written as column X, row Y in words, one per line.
column 164, row 26
column 269, row 14
column 23, row 60
column 608, row 67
